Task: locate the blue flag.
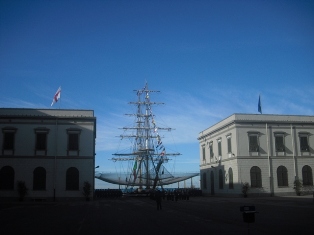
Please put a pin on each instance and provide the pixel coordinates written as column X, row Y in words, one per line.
column 259, row 105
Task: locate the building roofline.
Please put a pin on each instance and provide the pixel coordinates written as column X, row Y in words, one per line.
column 258, row 118
column 29, row 112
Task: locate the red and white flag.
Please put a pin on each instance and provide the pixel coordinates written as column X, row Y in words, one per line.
column 57, row 96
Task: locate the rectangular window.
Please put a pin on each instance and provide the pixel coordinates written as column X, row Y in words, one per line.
column 279, row 143
column 229, row 144
column 304, row 146
column 253, row 143
column 41, row 135
column 41, row 141
column 219, row 148
column 204, row 156
column 73, row 142
column 8, row 141
column 211, row 152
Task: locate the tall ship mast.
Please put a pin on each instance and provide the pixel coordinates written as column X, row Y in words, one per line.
column 148, row 154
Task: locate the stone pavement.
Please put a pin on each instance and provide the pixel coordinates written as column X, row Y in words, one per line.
column 139, row 215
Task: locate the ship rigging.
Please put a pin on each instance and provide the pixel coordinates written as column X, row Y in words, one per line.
column 148, row 155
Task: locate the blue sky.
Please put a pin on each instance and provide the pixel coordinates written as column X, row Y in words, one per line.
column 209, row 59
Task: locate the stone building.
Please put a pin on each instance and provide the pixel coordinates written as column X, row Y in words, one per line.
column 51, row 150
column 267, row 151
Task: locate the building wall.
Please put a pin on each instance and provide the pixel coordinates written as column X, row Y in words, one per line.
column 267, row 159
column 57, row 158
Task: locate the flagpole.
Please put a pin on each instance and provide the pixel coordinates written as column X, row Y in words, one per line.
column 60, row 97
column 269, row 163
column 293, row 151
column 55, row 162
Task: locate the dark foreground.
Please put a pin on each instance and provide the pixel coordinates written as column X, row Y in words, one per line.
column 138, row 215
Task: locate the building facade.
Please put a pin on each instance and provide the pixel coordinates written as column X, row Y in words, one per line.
column 267, row 151
column 51, row 150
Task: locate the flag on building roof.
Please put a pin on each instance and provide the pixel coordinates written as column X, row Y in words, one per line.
column 259, row 105
column 57, row 96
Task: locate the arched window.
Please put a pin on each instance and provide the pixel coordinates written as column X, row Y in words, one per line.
column 307, row 175
column 204, row 181
column 282, row 176
column 39, row 179
column 72, row 179
column 6, row 178
column 221, row 180
column 230, row 173
column 256, row 177
column 212, row 183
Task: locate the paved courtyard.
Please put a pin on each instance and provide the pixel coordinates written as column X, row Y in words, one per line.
column 138, row 215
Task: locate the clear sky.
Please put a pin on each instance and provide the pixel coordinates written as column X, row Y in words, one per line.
column 209, row 59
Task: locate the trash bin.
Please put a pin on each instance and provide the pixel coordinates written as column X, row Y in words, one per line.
column 248, row 213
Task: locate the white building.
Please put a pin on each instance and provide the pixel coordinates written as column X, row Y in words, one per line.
column 51, row 150
column 267, row 151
